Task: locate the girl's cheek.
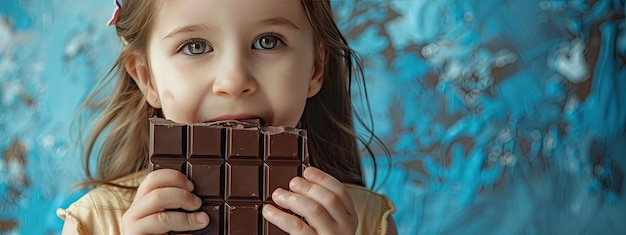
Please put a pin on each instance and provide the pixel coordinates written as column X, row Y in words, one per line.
column 168, row 95
column 179, row 108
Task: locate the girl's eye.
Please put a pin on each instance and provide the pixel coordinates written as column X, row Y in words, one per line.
column 195, row 47
column 267, row 42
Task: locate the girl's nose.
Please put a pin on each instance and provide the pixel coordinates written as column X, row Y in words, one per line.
column 235, row 80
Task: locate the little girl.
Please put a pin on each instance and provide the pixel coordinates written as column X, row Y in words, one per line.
column 284, row 62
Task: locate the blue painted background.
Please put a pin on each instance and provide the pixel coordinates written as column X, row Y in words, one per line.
column 503, row 116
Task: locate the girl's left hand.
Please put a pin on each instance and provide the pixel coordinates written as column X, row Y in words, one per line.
column 320, row 198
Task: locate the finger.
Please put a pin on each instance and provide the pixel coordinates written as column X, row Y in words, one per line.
column 331, row 202
column 314, row 212
column 159, row 200
column 329, row 182
column 163, row 178
column 285, row 221
column 163, row 222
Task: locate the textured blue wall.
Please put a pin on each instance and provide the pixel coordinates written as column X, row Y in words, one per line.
column 503, row 116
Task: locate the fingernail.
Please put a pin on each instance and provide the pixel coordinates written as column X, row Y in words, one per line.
column 201, row 218
column 268, row 211
column 197, row 202
column 308, row 171
column 189, row 185
column 295, row 182
column 279, row 194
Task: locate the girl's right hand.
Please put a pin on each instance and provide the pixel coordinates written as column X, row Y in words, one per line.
column 164, row 189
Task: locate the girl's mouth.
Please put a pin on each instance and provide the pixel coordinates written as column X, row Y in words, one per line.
column 238, row 117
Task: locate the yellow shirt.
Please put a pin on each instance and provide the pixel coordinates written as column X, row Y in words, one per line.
column 100, row 210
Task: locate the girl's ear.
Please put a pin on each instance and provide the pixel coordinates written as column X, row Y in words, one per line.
column 317, row 77
column 138, row 69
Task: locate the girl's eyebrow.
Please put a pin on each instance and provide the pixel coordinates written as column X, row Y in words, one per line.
column 186, row 29
column 200, row 27
column 279, row 21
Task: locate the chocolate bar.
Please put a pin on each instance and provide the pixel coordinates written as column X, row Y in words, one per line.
column 234, row 165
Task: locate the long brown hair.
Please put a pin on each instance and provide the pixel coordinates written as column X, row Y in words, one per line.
column 122, row 125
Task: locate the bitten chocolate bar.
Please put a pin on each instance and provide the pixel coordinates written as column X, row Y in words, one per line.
column 234, row 165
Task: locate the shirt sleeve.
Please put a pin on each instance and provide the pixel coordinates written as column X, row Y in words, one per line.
column 100, row 210
column 373, row 210
column 79, row 214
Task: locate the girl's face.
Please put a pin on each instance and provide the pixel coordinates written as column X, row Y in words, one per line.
column 224, row 59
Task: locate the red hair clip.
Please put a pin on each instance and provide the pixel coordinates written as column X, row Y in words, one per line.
column 116, row 14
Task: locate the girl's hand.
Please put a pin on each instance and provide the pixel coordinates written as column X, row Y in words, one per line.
column 320, row 198
column 164, row 189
